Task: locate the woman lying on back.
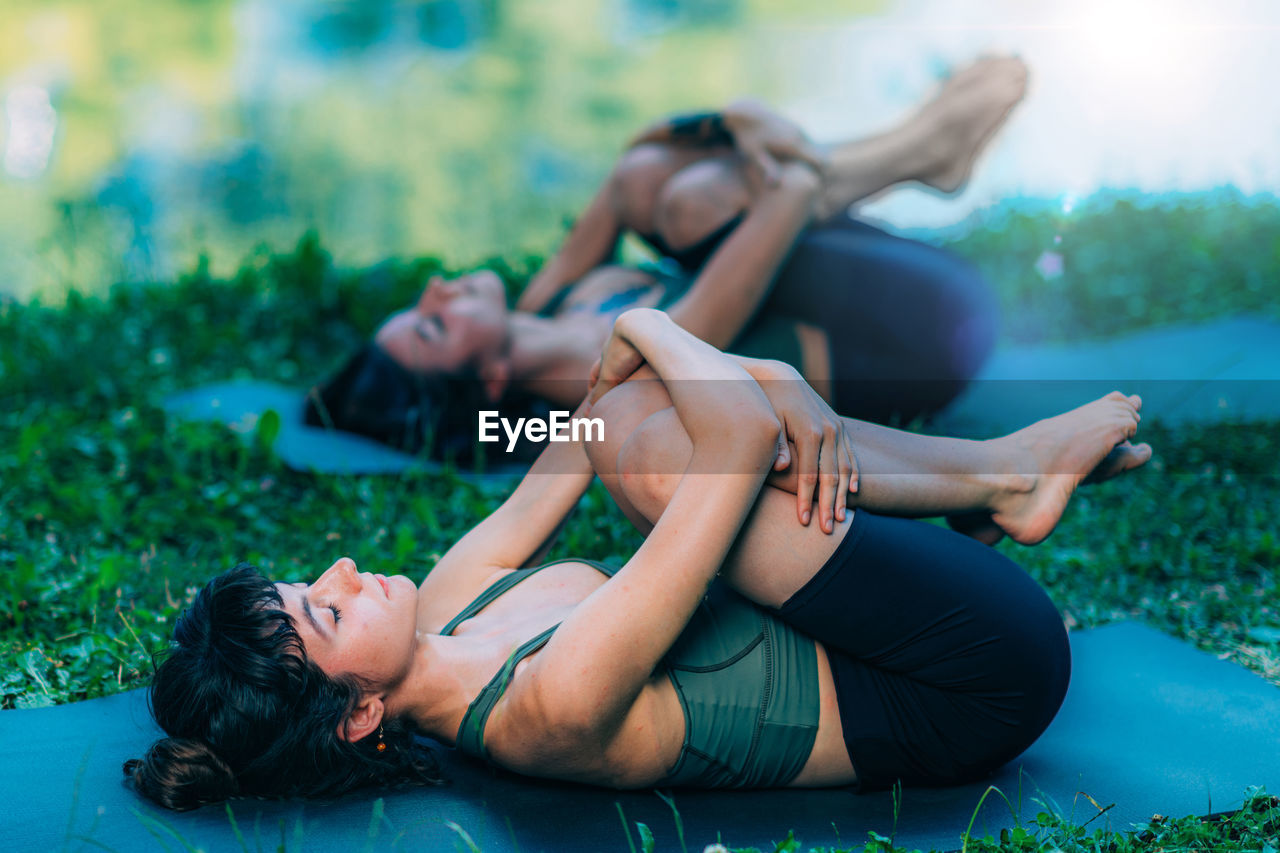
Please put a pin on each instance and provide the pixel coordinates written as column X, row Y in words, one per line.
column 735, row 648
column 777, row 268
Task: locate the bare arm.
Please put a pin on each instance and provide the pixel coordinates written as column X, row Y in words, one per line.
column 589, row 244
column 591, row 672
column 515, row 531
column 735, row 281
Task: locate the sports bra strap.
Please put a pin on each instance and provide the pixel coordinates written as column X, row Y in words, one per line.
column 487, row 597
column 471, row 732
column 506, row 582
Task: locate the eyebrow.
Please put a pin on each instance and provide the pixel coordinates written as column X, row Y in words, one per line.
column 306, row 611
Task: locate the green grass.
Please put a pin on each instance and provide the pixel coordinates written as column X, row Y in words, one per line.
column 111, row 515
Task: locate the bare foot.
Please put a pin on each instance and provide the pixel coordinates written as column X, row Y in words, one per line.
column 960, row 121
column 1088, row 444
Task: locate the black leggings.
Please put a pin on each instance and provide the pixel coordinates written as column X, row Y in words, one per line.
column 948, row 659
column 908, row 324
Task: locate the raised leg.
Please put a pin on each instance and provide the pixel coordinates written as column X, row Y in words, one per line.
column 683, row 195
column 1023, row 480
column 938, row 145
column 948, row 659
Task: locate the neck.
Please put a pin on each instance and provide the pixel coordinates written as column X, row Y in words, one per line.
column 536, row 345
column 436, row 693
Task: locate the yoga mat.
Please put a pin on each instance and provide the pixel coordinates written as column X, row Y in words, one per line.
column 1149, row 724
column 299, row 445
column 1228, row 369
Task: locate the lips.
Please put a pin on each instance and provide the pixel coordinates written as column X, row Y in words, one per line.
column 386, row 587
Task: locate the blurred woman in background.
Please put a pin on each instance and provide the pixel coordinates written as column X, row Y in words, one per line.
column 757, row 254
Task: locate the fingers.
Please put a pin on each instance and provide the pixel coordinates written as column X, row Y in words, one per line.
column 783, row 458
column 848, row 463
column 807, row 447
column 759, row 159
column 829, row 480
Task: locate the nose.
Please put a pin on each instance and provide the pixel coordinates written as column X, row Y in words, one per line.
column 341, row 577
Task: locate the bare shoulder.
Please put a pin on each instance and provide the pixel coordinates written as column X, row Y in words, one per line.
column 546, row 733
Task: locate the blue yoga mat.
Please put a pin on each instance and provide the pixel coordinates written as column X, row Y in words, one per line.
column 1150, row 725
column 1228, row 369
column 302, row 447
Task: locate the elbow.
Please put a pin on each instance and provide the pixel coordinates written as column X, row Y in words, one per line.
column 756, row 431
column 634, row 318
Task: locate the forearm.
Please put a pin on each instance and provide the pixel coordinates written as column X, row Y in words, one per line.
column 713, row 395
column 906, row 474
column 590, row 243
column 529, row 519
column 735, row 282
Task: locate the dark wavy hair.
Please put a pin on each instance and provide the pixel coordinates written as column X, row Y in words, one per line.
column 374, row 396
column 248, row 715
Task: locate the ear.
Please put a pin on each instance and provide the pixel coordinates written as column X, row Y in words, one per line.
column 495, row 375
column 364, row 720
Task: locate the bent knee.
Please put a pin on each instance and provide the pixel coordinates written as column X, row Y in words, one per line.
column 622, row 410
column 698, row 199
column 651, row 462
column 637, row 181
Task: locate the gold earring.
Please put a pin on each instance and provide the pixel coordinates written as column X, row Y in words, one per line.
column 382, row 744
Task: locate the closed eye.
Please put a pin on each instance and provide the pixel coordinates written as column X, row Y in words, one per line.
column 430, row 328
column 337, row 614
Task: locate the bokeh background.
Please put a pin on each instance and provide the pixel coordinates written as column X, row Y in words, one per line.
column 135, row 134
column 268, row 178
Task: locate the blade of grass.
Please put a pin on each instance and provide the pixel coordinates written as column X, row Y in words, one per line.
column 671, row 802
column 625, row 831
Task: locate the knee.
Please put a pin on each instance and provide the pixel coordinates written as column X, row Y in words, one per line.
column 698, row 199
column 646, row 469
column 635, row 184
column 1043, row 661
column 622, row 410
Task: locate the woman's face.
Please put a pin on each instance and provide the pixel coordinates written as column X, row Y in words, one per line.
column 356, row 623
column 456, row 323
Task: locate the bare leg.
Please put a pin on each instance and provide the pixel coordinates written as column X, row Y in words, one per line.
column 683, row 195
column 938, row 145
column 1023, row 480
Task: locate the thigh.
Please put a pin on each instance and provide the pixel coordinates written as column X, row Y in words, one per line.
column 697, row 203
column 949, row 660
column 639, row 177
column 624, row 410
column 906, row 323
column 774, row 555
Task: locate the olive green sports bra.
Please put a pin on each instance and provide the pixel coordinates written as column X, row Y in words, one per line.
column 747, row 682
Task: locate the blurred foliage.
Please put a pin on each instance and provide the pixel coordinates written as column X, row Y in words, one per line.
column 1128, row 261
column 473, row 126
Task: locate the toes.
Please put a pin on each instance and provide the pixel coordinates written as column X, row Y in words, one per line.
column 1123, row 457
